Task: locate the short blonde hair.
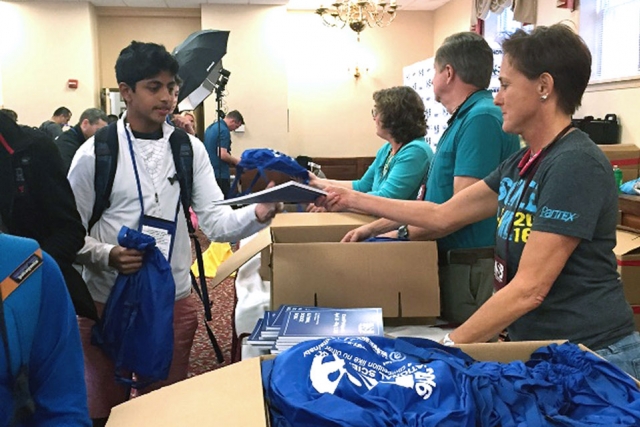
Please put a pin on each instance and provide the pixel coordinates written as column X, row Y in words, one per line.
column 190, row 114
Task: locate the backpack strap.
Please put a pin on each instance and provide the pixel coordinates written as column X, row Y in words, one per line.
column 106, row 152
column 260, row 173
column 183, row 160
column 20, row 289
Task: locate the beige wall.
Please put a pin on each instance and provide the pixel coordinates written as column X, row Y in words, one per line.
column 256, row 58
column 290, row 77
column 44, row 45
column 116, row 32
column 330, row 110
column 452, row 17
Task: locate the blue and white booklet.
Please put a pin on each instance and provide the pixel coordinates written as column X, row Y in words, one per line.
column 320, row 322
column 255, row 340
column 277, row 320
column 288, row 192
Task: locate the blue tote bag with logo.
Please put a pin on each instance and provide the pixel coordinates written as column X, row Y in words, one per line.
column 136, row 328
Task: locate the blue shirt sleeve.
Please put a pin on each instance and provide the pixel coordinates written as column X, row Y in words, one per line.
column 225, row 138
column 211, row 139
column 56, row 376
column 210, row 136
column 480, row 146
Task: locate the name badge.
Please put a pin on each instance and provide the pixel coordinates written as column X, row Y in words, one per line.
column 499, row 273
column 162, row 230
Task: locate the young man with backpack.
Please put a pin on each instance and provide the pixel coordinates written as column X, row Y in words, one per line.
column 146, row 195
column 41, row 375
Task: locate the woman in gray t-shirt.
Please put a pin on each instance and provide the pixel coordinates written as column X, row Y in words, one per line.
column 556, row 204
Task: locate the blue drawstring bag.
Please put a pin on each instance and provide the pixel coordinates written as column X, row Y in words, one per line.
column 380, row 382
column 136, row 328
column 593, row 391
column 369, row 382
column 266, row 159
column 386, row 239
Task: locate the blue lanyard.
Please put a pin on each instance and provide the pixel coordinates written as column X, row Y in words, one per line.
column 135, row 171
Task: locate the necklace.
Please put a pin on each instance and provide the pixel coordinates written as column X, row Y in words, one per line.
column 387, row 162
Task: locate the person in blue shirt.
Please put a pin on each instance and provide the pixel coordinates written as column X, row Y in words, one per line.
column 58, row 395
column 472, row 146
column 217, row 141
column 401, row 164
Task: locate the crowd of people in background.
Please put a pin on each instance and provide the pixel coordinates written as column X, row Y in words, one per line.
column 505, row 261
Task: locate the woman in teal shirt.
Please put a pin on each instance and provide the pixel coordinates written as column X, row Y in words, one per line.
column 401, row 164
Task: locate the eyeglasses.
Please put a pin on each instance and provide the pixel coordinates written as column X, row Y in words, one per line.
column 374, row 112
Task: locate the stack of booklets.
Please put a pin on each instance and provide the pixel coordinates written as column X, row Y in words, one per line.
column 292, row 324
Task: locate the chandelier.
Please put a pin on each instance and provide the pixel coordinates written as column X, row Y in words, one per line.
column 358, row 14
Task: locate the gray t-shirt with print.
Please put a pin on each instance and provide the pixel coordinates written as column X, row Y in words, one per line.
column 571, row 192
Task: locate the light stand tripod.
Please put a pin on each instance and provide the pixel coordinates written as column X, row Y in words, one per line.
column 220, row 86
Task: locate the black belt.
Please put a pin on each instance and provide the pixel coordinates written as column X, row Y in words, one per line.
column 464, row 256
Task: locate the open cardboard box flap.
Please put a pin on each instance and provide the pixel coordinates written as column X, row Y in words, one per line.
column 626, row 242
column 227, row 397
column 233, row 396
column 240, row 257
column 627, row 252
column 263, row 238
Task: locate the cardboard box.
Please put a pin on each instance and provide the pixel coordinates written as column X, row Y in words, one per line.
column 303, row 258
column 627, row 252
column 626, row 157
column 232, row 396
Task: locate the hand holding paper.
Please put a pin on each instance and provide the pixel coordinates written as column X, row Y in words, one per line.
column 337, row 199
column 267, row 211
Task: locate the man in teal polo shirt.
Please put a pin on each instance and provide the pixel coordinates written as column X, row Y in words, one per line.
column 472, row 146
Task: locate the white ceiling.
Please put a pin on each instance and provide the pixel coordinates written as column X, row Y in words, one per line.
column 293, row 4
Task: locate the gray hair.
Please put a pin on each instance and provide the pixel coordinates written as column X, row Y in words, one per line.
column 93, row 115
column 469, row 55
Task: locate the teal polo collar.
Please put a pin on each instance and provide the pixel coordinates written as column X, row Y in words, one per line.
column 469, row 102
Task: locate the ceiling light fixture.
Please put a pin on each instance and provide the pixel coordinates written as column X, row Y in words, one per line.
column 358, row 14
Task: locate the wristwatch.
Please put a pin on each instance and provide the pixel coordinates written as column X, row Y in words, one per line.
column 403, row 232
column 447, row 341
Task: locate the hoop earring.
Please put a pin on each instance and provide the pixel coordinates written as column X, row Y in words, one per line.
column 543, row 97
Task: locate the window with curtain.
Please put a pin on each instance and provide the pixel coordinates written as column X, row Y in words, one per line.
column 611, row 29
column 497, row 26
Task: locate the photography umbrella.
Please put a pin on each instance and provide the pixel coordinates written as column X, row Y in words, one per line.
column 199, row 57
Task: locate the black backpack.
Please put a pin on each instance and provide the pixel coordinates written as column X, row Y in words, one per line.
column 106, row 150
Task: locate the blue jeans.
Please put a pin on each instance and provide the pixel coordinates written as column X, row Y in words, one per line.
column 625, row 354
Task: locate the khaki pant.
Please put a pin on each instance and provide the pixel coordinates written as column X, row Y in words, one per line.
column 466, row 282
